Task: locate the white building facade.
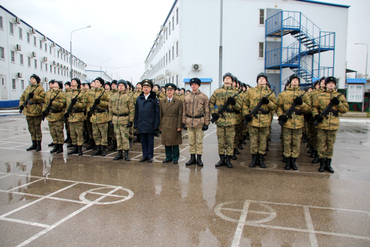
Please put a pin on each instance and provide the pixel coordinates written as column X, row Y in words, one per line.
column 207, row 38
column 25, row 51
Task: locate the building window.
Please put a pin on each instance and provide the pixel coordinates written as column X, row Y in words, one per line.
column 262, row 17
column 34, row 41
column 166, row 33
column 260, row 50
column 21, row 59
column 50, row 49
column 166, row 58
column 177, row 79
column 173, row 79
column 14, row 84
column 46, row 47
column 22, row 85
column 35, row 63
column 40, row 44
column 173, row 22
column 169, row 28
column 12, row 56
column 11, row 28
column 46, row 67
column 177, row 48
column 20, row 33
column 40, row 65
column 173, row 52
column 55, row 70
column 2, row 53
column 58, row 71
column 51, row 68
column 1, row 22
column 177, row 16
column 29, row 62
column 28, row 37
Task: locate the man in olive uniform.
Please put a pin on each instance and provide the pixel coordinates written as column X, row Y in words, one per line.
column 293, row 125
column 226, row 121
column 53, row 110
column 259, row 125
column 122, row 113
column 136, row 94
column 328, row 125
column 75, row 113
column 99, row 117
column 30, row 104
column 195, row 119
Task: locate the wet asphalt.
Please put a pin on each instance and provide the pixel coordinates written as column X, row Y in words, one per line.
column 66, row 200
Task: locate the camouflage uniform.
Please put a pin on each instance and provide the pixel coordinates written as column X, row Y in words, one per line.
column 76, row 116
column 239, row 126
column 313, row 136
column 33, row 110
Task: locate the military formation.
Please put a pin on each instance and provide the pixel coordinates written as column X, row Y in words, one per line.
column 101, row 114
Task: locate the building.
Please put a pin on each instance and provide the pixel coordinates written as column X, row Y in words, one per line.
column 25, row 51
column 93, row 74
column 207, row 38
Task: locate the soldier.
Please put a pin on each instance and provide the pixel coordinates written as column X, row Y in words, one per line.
column 260, row 123
column 292, row 127
column 113, row 87
column 30, row 103
column 147, row 119
column 170, row 112
column 97, row 108
column 195, row 119
column 75, row 113
column 122, row 113
column 226, row 121
column 311, row 128
column 238, row 126
column 329, row 124
column 53, row 110
column 67, row 88
column 137, row 93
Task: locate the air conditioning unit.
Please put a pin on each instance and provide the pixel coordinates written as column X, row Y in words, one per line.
column 197, row 67
column 17, row 20
column 45, row 59
column 19, row 75
column 33, row 54
column 45, row 38
column 18, row 47
column 32, row 30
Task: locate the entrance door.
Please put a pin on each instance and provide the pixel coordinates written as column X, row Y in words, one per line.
column 3, row 87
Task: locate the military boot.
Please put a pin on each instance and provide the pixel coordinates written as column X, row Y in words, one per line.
column 247, row 136
column 288, row 162
column 98, row 151
column 138, row 138
column 129, row 141
column 328, row 166
column 79, row 149
column 74, row 150
column 70, row 145
column 60, row 149
column 103, row 152
column 192, row 160
column 240, row 146
column 310, row 150
column 322, row 165
column 51, row 144
column 316, row 159
column 261, row 160
column 38, row 146
column 254, row 161
column 119, row 155
column 228, row 163
column 33, row 146
column 114, row 146
column 236, row 151
column 234, row 154
column 91, row 146
column 243, row 141
column 126, row 156
column 222, row 161
column 199, row 160
column 313, row 153
column 294, row 164
column 68, row 139
column 56, row 147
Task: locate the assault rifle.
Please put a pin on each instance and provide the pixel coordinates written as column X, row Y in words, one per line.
column 27, row 101
column 224, row 107
column 70, row 106
column 258, row 107
column 46, row 112
column 92, row 109
column 327, row 109
column 291, row 109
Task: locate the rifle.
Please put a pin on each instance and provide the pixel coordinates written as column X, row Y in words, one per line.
column 92, row 109
column 49, row 106
column 224, row 107
column 327, row 109
column 291, row 109
column 71, row 105
column 27, row 100
column 258, row 107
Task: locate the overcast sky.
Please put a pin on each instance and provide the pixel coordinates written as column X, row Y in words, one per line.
column 124, row 31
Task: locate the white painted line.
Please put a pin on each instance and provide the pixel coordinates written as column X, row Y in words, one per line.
column 310, row 228
column 24, row 222
column 10, row 190
column 240, row 227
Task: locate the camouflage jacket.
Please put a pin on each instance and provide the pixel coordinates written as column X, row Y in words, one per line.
column 194, row 106
column 121, row 103
column 285, row 101
column 100, row 115
column 251, row 100
column 57, row 106
column 161, row 96
column 135, row 95
column 77, row 113
column 322, row 100
column 218, row 99
column 34, row 107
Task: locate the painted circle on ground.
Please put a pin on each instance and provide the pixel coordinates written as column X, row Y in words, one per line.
column 271, row 213
column 117, row 198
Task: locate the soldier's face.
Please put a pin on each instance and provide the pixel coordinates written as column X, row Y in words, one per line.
column 194, row 87
column 170, row 92
column 107, row 87
column 51, row 85
column 317, row 86
column 97, row 84
column 322, row 83
column 92, row 84
column 66, row 86
column 330, row 86
column 177, row 91
column 146, row 89
column 74, row 84
column 55, row 85
column 87, row 87
column 294, row 82
column 138, row 87
column 262, row 81
column 155, row 89
column 114, row 86
column 121, row 87
column 228, row 80
column 33, row 81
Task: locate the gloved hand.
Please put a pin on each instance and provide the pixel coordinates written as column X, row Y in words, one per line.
column 248, row 117
column 205, row 127
column 21, row 108
column 283, row 118
column 215, row 116
column 31, row 95
column 298, row 101
column 265, row 100
column 335, row 101
column 319, row 118
column 97, row 101
column 66, row 115
column 74, row 101
column 129, row 125
column 110, row 124
column 184, row 127
column 231, row 101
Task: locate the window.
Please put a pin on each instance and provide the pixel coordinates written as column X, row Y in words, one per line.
column 29, row 62
column 11, row 28
column 262, row 17
column 58, row 71
column 177, row 49
column 169, row 28
column 40, row 65
column 20, row 33
column 169, row 56
column 22, row 85
column 50, row 49
column 14, row 84
column 177, row 16
column 173, row 22
column 12, row 56
column 21, row 59
column 28, row 37
column 177, row 79
column 260, row 50
column 34, row 41
column 35, row 63
column 46, row 47
column 166, row 58
column 166, row 33
column 173, row 52
column 1, row 22
column 55, row 70
column 173, row 79
column 40, row 44
column 2, row 54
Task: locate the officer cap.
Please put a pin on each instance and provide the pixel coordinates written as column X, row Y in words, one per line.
column 195, row 80
column 228, row 74
column 170, row 86
column 37, row 78
column 123, row 82
column 100, row 79
column 147, row 82
column 330, row 79
column 262, row 75
column 294, row 76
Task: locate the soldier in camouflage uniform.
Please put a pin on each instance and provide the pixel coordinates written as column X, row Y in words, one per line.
column 292, row 128
column 122, row 113
column 329, row 125
column 136, row 94
column 67, row 88
column 54, row 112
column 225, row 122
column 76, row 115
column 111, row 131
column 195, row 119
column 238, row 127
column 30, row 104
column 259, row 124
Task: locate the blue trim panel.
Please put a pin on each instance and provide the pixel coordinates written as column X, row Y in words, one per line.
column 9, row 103
column 356, row 80
column 205, row 80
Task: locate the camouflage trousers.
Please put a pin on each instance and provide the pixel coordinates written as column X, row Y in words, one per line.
column 56, row 131
column 88, row 128
column 100, row 133
column 312, row 130
column 225, row 138
column 67, row 127
column 122, row 135
column 245, row 129
column 111, row 132
column 196, row 136
column 77, row 132
column 34, row 127
column 325, row 143
column 238, row 135
column 258, row 137
column 292, row 142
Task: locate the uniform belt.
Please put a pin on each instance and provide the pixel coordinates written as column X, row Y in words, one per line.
column 297, row 112
column 262, row 111
column 55, row 111
column 229, row 110
column 100, row 110
column 78, row 111
column 120, row 115
column 200, row 116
